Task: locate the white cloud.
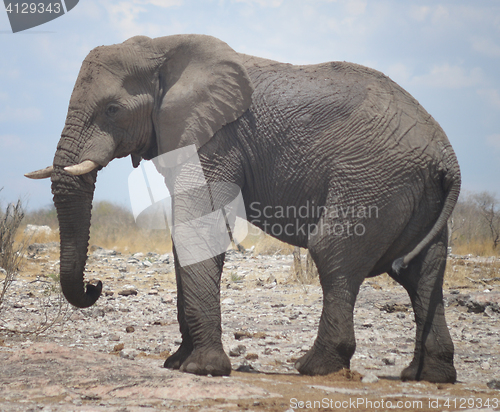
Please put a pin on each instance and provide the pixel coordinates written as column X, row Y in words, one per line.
column 11, row 141
column 26, row 114
column 493, row 141
column 262, row 3
column 486, row 46
column 450, row 77
column 440, row 14
column 91, row 10
column 491, row 95
column 161, row 3
column 436, row 14
column 355, row 7
column 419, row 13
column 9, row 73
column 123, row 18
column 399, row 72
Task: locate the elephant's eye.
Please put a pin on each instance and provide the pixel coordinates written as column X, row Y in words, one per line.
column 112, row 110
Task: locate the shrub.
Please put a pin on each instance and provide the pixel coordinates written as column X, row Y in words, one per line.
column 11, row 253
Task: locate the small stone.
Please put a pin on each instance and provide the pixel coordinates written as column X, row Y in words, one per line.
column 490, row 312
column 370, row 378
column 389, row 361
column 237, row 350
column 494, row 384
column 252, row 356
column 99, row 252
column 98, row 313
column 128, row 354
column 114, row 338
column 109, row 293
column 127, row 292
column 118, row 348
column 130, row 329
column 164, row 258
column 228, row 301
column 242, row 334
column 167, row 299
column 485, row 365
column 244, row 367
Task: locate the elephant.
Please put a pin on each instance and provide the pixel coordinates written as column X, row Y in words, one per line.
column 333, row 157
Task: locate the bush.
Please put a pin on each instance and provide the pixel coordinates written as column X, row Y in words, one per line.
column 475, row 224
column 11, row 253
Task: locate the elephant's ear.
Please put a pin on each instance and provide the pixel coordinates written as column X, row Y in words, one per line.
column 202, row 86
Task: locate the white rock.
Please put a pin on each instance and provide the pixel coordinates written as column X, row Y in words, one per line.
column 37, row 230
column 128, row 353
column 370, row 378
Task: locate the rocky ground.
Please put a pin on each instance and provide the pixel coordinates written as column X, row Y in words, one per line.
column 109, row 357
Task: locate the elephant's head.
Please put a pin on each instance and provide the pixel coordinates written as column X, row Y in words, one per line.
column 142, row 98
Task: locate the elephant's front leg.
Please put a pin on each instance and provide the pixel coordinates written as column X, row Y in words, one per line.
column 177, row 359
column 201, row 326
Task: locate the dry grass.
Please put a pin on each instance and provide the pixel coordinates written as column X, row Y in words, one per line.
column 113, row 227
column 134, row 240
column 267, row 245
column 476, row 248
column 472, row 272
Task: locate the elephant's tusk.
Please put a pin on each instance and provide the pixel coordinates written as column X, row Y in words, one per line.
column 82, row 168
column 41, row 174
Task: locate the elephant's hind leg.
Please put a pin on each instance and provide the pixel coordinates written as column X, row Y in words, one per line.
column 335, row 343
column 423, row 280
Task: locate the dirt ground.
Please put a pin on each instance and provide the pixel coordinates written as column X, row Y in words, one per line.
column 110, row 357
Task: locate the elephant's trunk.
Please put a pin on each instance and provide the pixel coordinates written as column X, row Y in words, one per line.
column 73, row 200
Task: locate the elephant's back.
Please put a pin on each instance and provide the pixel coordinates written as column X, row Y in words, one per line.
column 296, row 90
column 344, row 105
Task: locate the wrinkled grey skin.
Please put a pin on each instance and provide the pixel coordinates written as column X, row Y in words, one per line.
column 334, row 135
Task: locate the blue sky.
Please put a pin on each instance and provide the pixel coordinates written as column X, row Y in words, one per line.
column 445, row 53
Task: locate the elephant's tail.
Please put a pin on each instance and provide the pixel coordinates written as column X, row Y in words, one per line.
column 451, row 184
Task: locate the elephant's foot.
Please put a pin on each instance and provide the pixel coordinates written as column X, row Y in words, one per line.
column 430, row 371
column 318, row 362
column 177, row 359
column 207, row 362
